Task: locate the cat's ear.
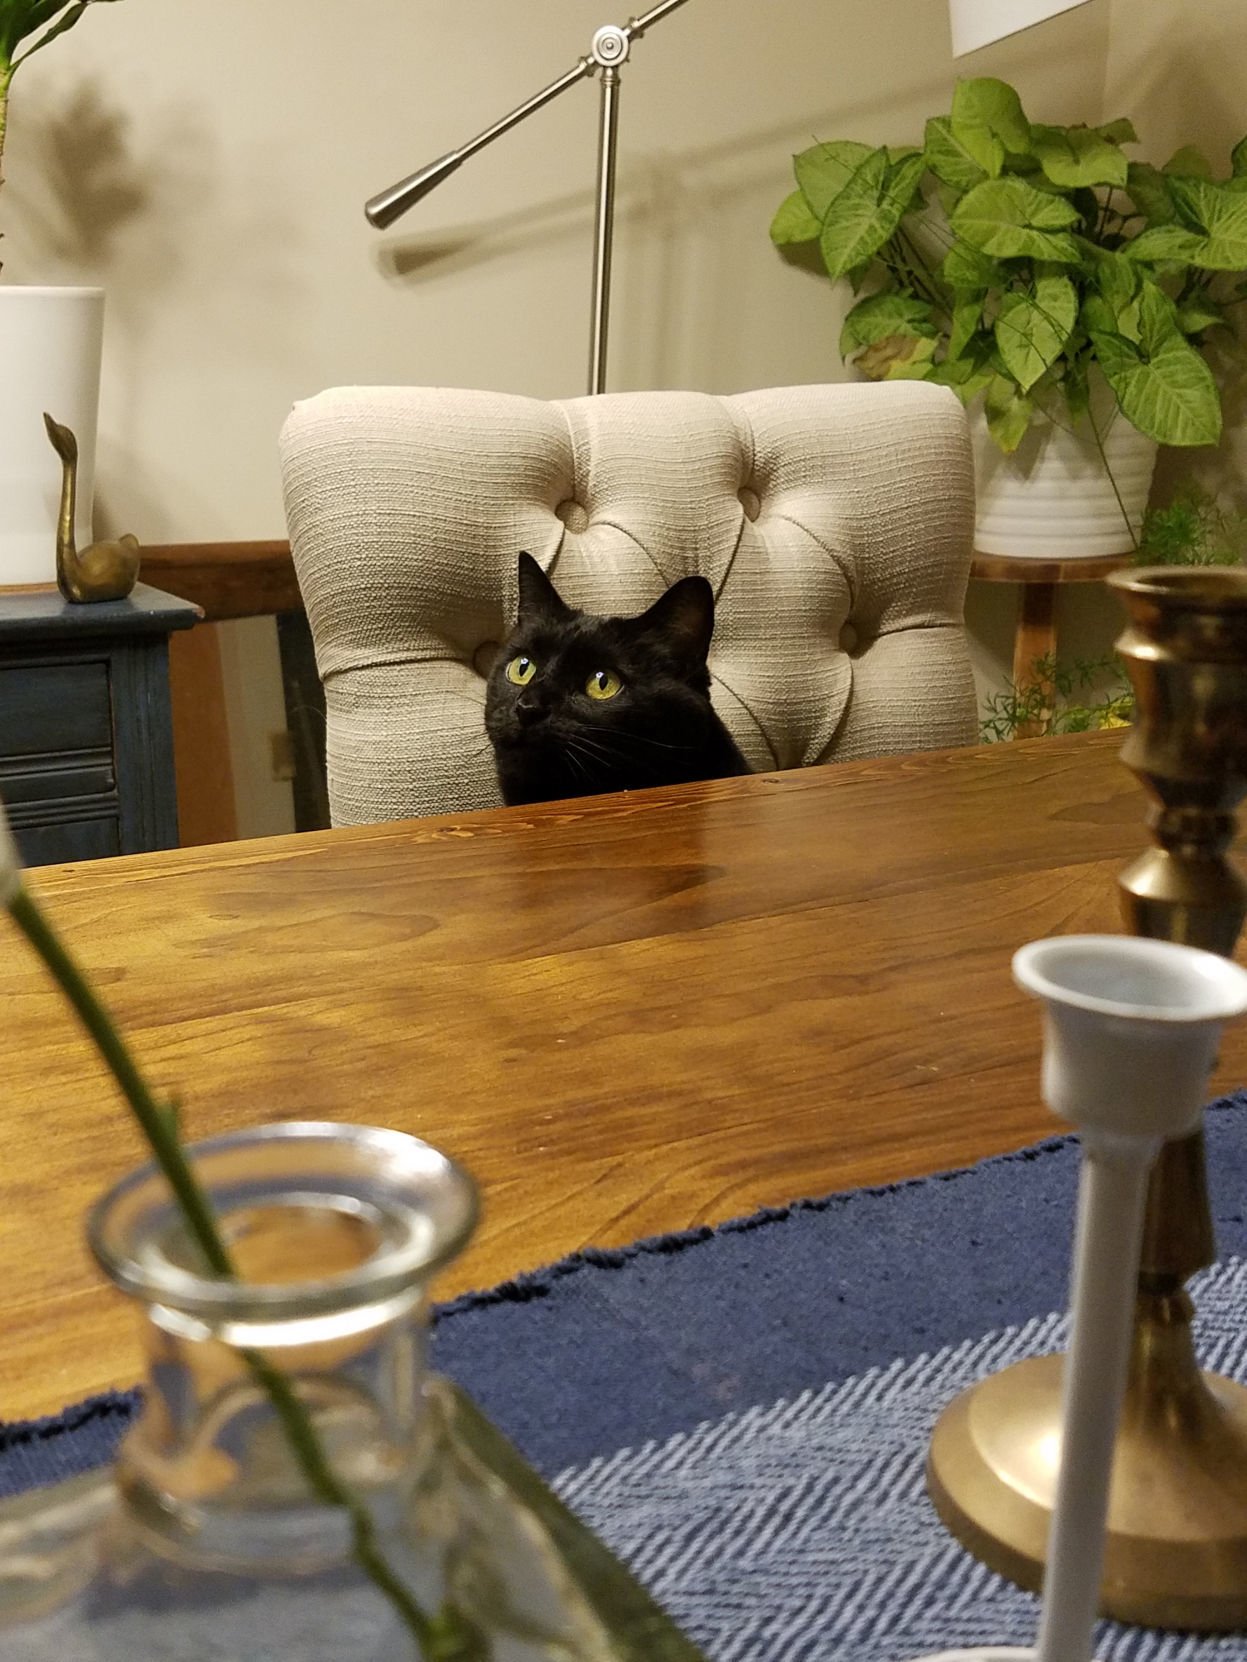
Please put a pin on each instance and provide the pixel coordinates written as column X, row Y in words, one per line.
column 538, row 596
column 683, row 620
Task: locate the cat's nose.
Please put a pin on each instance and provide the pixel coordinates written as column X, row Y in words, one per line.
column 527, row 712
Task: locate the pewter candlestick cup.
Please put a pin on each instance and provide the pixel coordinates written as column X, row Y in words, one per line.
column 1176, row 1546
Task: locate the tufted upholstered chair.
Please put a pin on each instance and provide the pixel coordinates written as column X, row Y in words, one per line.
column 834, row 523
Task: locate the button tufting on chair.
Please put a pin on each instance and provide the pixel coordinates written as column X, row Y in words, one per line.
column 408, row 506
column 575, row 515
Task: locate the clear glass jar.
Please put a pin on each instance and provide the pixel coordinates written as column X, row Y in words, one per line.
column 205, row 1542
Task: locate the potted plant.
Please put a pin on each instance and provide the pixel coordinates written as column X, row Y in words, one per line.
column 1061, row 289
column 50, row 344
column 1194, row 529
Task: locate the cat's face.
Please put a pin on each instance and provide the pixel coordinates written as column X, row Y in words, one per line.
column 578, row 703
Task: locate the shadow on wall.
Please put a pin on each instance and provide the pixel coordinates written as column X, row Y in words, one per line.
column 78, row 186
column 91, row 185
column 146, row 212
column 146, row 215
column 691, row 235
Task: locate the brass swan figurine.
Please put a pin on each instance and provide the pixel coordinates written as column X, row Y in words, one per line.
column 106, row 570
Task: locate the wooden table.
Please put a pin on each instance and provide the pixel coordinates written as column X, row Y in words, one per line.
column 626, row 1015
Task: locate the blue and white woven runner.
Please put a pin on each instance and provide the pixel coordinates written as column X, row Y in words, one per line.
column 800, row 1531
column 743, row 1412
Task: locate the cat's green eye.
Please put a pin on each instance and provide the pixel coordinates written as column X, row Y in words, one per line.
column 603, row 683
column 521, row 670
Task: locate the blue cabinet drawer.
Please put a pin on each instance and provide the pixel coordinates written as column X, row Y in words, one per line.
column 47, row 709
column 86, row 735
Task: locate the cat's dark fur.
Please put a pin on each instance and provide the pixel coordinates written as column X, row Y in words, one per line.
column 552, row 740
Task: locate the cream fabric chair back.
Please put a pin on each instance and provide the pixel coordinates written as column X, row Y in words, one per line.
column 834, row 523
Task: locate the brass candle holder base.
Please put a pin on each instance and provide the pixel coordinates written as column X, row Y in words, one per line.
column 1176, row 1553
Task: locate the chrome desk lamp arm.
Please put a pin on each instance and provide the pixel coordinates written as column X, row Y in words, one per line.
column 609, row 50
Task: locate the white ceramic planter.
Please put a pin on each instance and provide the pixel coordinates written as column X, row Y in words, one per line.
column 1052, row 499
column 50, row 345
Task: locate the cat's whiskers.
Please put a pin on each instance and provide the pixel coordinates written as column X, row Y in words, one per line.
column 573, row 746
column 617, row 741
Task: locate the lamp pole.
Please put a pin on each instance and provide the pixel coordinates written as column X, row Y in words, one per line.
column 608, row 53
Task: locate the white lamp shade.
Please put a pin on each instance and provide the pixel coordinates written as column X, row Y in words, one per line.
column 979, row 22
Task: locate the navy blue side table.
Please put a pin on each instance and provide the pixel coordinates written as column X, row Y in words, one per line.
column 86, row 733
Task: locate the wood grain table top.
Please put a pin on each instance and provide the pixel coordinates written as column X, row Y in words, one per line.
column 625, row 1015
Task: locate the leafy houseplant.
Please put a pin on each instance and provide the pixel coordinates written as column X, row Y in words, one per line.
column 1195, row 529
column 1060, row 698
column 25, row 27
column 1010, row 259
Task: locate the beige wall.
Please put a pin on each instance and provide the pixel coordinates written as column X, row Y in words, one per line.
column 207, row 161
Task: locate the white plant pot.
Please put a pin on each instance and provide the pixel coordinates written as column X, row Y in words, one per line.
column 1052, row 498
column 50, row 345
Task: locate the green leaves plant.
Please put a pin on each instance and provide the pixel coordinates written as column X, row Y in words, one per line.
column 1199, row 314
column 1165, row 245
column 795, row 221
column 1008, row 413
column 948, row 158
column 1009, row 218
column 1164, row 387
column 867, row 211
column 964, row 267
column 898, row 358
column 825, row 169
column 1076, row 156
column 1189, row 163
column 1221, row 214
column 967, row 316
column 882, row 316
column 988, row 122
column 1120, row 131
column 1063, row 256
column 22, row 19
column 1195, row 529
column 1033, row 327
column 1149, row 189
column 1115, row 277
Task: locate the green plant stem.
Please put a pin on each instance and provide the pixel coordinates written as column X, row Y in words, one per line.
column 6, row 75
column 1099, row 444
column 922, row 278
column 448, row 1634
column 156, row 1122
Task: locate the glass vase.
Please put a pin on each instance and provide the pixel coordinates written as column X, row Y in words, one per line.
column 206, row 1541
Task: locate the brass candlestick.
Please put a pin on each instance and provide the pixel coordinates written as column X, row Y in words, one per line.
column 1176, row 1554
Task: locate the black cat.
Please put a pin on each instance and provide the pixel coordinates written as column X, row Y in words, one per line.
column 578, row 704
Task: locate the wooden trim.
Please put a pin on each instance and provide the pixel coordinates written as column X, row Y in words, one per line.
column 203, row 768
column 1013, row 568
column 226, row 579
